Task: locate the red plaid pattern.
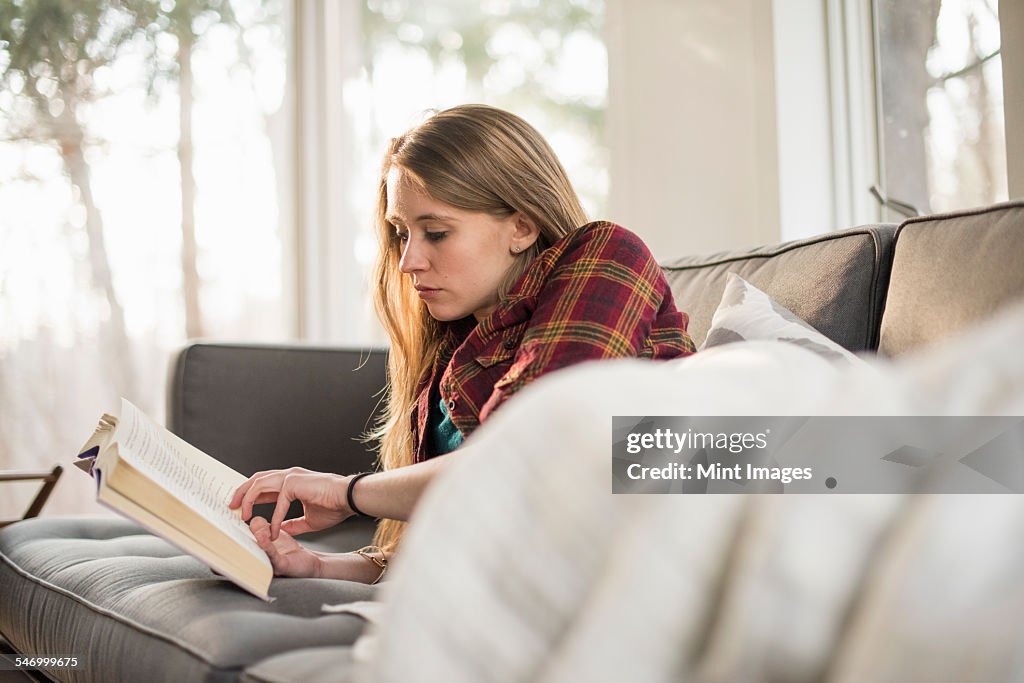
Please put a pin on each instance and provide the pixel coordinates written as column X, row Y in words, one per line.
column 596, row 293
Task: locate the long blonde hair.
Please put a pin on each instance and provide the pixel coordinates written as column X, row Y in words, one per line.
column 476, row 158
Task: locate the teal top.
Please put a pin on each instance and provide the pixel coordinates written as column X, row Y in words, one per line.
column 447, row 436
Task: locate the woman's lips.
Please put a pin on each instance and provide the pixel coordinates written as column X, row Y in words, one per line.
column 426, row 292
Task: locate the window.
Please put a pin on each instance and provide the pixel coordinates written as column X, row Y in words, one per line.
column 173, row 170
column 942, row 136
column 145, row 188
column 544, row 61
column 205, row 168
column 373, row 69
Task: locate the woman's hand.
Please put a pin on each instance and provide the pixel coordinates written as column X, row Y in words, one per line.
column 323, row 498
column 287, row 555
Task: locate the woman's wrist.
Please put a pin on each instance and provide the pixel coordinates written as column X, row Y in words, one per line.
column 392, row 494
column 348, row 566
column 339, row 493
column 376, row 556
column 350, row 494
column 320, row 566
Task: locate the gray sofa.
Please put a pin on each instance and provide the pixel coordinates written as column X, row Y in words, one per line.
column 133, row 607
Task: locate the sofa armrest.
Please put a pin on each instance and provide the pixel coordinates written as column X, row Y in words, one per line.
column 258, row 407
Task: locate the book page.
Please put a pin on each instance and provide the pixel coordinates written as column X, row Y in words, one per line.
column 195, row 478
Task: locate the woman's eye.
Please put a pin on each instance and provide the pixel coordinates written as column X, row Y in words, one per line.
column 436, row 236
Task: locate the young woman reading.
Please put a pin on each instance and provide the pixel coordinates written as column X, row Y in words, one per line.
column 489, row 276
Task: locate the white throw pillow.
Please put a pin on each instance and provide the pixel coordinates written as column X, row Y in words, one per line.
column 745, row 313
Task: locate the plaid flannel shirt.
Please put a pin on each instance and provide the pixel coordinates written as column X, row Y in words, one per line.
column 596, row 293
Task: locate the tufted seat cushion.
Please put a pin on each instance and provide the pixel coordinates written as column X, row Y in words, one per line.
column 134, row 607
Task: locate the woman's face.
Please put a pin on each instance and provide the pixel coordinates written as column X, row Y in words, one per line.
column 456, row 258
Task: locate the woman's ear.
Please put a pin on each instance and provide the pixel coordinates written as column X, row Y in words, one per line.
column 525, row 233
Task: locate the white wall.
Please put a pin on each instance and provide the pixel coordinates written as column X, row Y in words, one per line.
column 692, row 123
column 734, row 123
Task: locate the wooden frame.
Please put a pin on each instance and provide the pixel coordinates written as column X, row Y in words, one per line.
column 49, row 480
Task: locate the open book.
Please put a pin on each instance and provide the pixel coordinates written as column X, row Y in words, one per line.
column 176, row 491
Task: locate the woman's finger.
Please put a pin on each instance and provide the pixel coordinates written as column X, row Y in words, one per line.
column 284, row 501
column 236, row 497
column 267, row 483
column 265, row 497
column 239, row 494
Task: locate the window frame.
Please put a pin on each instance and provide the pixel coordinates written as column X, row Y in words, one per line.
column 331, row 301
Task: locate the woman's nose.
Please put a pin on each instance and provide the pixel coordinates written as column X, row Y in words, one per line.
column 412, row 260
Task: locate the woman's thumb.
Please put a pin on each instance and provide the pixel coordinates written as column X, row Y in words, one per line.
column 294, row 527
column 260, row 529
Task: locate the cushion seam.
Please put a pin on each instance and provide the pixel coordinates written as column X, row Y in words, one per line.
column 857, row 232
column 276, row 348
column 964, row 213
column 868, row 333
column 879, row 294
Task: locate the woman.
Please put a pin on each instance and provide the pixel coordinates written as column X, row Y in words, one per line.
column 488, row 277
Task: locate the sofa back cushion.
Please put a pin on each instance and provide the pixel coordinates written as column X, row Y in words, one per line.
column 259, row 407
column 950, row 270
column 836, row 282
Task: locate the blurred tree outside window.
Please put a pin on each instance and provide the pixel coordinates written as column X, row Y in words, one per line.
column 545, row 61
column 942, row 128
column 141, row 202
